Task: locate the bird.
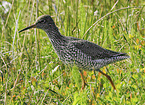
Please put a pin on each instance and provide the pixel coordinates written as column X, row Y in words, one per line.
column 84, row 54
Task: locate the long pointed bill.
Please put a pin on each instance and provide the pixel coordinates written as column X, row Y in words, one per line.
column 32, row 26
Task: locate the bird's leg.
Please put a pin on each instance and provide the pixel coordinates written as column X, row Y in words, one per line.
column 108, row 77
column 83, row 81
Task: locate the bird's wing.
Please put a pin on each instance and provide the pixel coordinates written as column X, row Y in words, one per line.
column 95, row 51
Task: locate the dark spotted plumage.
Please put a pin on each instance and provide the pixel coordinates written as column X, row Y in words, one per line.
column 70, row 50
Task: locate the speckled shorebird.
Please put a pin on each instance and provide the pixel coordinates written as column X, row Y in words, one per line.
column 84, row 54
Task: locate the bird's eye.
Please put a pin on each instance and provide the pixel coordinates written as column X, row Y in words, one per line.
column 42, row 21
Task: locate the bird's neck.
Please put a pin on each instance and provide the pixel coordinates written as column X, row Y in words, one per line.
column 54, row 34
column 56, row 38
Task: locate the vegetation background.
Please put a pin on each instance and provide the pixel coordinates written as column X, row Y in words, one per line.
column 31, row 72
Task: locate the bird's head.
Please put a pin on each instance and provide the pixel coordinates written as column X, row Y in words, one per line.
column 44, row 22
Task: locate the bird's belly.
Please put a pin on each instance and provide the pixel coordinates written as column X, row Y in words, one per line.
column 71, row 56
column 79, row 59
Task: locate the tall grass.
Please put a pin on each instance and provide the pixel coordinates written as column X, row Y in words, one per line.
column 31, row 72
